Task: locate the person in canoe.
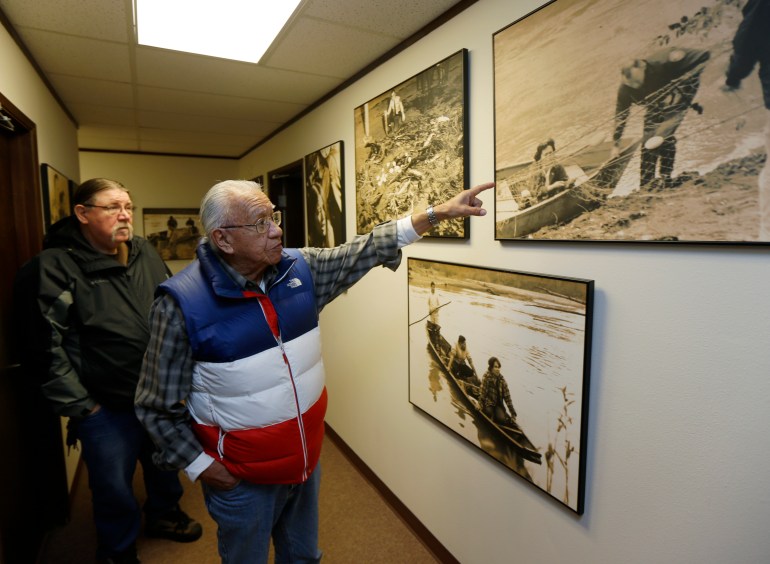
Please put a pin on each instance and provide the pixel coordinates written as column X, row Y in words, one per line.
column 551, row 177
column 495, row 395
column 461, row 363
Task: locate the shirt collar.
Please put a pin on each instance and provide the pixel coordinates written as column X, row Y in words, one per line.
column 244, row 283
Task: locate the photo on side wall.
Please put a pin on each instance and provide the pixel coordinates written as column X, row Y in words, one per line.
column 501, row 358
column 614, row 122
column 411, row 148
column 57, row 195
column 325, row 196
column 174, row 232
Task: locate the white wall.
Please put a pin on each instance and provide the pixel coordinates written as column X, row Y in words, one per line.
column 678, row 424
column 56, row 133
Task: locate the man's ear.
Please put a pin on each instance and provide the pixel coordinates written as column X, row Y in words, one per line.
column 221, row 241
column 80, row 213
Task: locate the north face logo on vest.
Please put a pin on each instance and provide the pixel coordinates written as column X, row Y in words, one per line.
column 294, row 283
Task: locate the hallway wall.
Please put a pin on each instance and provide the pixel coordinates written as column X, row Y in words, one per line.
column 677, row 431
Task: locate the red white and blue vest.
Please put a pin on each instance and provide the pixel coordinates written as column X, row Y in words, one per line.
column 258, row 397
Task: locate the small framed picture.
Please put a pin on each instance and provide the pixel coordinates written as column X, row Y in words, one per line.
column 57, row 194
column 174, row 232
column 325, row 196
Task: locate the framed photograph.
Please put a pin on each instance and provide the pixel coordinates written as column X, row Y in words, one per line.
column 501, row 358
column 613, row 123
column 411, row 148
column 325, row 196
column 57, row 194
column 174, row 232
column 261, row 181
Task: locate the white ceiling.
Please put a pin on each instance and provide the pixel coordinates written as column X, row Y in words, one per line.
column 131, row 98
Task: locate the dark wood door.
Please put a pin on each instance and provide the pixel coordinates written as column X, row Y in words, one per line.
column 33, row 481
column 285, row 188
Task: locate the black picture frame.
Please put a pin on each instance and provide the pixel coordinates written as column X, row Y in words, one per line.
column 411, row 147
column 538, row 327
column 173, row 232
column 57, row 194
column 557, row 77
column 325, row 196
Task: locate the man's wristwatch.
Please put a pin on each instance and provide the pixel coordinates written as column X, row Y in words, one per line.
column 432, row 216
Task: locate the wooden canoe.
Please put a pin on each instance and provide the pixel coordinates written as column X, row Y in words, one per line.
column 513, row 434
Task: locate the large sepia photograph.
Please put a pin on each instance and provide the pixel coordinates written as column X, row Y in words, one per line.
column 411, row 148
column 631, row 121
column 325, row 196
column 501, row 358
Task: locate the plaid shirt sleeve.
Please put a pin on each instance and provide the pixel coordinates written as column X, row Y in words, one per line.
column 335, row 270
column 164, row 384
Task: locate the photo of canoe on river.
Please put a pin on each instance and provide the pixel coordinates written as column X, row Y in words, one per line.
column 502, row 359
column 579, row 157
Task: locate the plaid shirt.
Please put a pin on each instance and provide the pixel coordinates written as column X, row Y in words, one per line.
column 166, row 377
column 494, row 391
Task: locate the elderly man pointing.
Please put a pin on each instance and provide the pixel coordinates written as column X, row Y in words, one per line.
column 232, row 388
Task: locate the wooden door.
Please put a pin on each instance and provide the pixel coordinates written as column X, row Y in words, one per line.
column 33, row 479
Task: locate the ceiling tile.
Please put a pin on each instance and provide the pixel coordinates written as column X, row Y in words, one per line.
column 77, row 56
column 97, row 114
column 98, row 19
column 398, row 18
column 183, row 123
column 313, row 46
column 212, row 105
column 78, row 90
column 207, row 74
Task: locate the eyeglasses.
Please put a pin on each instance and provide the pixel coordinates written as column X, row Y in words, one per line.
column 261, row 225
column 115, row 209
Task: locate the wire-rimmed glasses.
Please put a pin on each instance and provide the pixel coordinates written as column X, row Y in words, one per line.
column 261, row 225
column 114, row 209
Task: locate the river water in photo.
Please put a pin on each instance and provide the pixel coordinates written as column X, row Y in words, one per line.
column 541, row 352
column 557, row 73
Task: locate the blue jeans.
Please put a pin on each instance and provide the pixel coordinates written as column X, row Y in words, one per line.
column 112, row 442
column 249, row 514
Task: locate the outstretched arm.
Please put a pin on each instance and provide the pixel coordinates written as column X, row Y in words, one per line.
column 463, row 204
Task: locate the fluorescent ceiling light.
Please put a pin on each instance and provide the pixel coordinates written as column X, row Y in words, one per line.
column 231, row 29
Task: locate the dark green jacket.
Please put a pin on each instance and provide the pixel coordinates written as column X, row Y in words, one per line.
column 83, row 319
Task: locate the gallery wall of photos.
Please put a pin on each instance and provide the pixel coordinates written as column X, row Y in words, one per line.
column 588, row 142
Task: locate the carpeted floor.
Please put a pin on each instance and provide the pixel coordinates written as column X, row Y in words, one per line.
column 356, row 525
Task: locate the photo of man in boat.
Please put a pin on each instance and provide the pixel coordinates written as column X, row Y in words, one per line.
column 633, row 95
column 538, row 328
column 461, row 364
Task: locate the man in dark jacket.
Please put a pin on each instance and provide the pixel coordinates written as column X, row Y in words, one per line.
column 665, row 84
column 751, row 45
column 84, row 303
